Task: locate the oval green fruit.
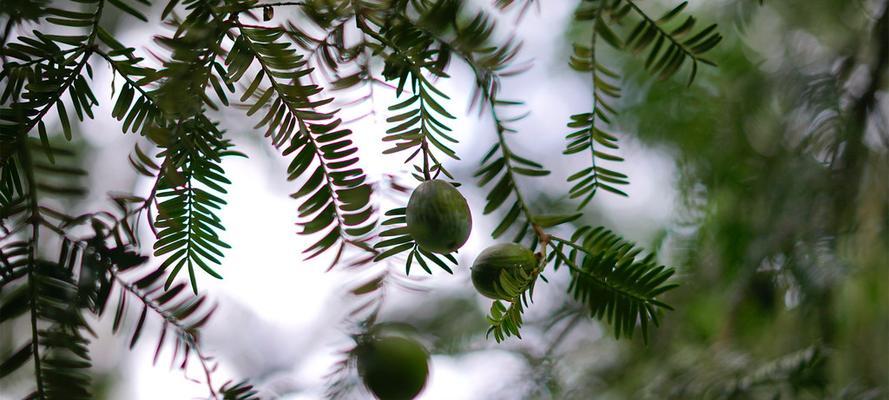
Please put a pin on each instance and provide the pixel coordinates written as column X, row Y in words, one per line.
column 492, row 261
column 393, row 367
column 438, row 217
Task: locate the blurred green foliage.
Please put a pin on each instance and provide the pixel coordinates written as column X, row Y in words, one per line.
column 781, row 234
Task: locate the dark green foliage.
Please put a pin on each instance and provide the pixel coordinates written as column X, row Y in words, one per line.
column 419, row 120
column 22, row 10
column 668, row 41
column 188, row 193
column 64, row 358
column 610, row 277
column 417, row 128
column 38, row 73
column 239, row 391
column 489, row 63
column 586, row 182
column 423, row 47
column 48, row 67
column 339, row 197
column 135, row 106
column 182, row 315
column 337, row 203
column 193, row 64
column 86, row 277
column 504, row 165
column 607, row 276
column 666, row 49
column 505, row 321
column 590, row 134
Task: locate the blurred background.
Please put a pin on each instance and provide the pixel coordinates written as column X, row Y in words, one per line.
column 765, row 184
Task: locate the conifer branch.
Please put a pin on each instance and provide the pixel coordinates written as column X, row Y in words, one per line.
column 589, row 136
column 25, row 157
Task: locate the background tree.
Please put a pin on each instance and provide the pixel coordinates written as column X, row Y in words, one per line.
column 780, row 234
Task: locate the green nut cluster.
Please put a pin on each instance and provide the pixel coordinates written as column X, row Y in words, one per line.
column 514, row 259
column 438, row 217
column 393, row 367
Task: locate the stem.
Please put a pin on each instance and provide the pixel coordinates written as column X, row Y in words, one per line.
column 593, row 38
column 367, row 56
column 498, row 124
column 62, row 89
column 654, row 23
column 126, row 77
column 189, row 253
column 27, row 165
column 304, row 129
column 574, row 268
column 190, row 339
column 507, row 161
column 88, row 48
column 6, row 32
column 425, row 143
column 417, row 72
column 187, row 336
column 312, row 53
column 563, row 334
column 279, row 4
column 47, row 58
column 149, row 200
column 209, row 56
column 568, row 243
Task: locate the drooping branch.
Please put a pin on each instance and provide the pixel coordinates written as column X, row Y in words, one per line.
column 338, row 198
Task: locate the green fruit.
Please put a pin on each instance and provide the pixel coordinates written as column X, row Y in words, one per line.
column 488, row 266
column 393, row 368
column 438, row 217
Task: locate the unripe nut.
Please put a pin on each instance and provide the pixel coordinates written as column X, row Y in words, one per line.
column 488, row 266
column 393, row 367
column 438, row 217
